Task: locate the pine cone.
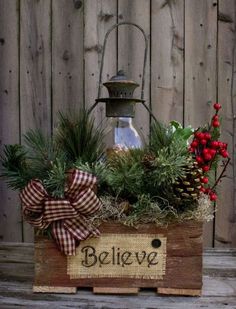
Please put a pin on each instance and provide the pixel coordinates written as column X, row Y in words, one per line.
column 148, row 160
column 126, row 207
column 189, row 185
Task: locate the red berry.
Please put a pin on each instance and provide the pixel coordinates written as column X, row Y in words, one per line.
column 224, row 154
column 215, row 123
column 202, row 189
column 199, row 159
column 196, row 134
column 213, row 197
column 204, row 180
column 207, row 136
column 215, row 117
column 203, row 141
column 191, row 149
column 206, row 150
column 201, row 135
column 194, row 143
column 208, row 190
column 224, row 145
column 207, row 157
column 206, row 168
column 214, row 144
column 212, row 152
column 220, row 144
column 217, row 106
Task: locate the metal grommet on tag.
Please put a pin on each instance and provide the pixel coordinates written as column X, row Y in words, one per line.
column 156, row 243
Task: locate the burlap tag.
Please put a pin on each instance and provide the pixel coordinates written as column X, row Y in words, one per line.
column 119, row 256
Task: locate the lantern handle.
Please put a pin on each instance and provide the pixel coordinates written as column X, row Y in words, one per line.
column 144, row 64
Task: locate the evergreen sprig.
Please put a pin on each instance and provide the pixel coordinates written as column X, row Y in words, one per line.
column 55, row 181
column 125, row 174
column 48, row 158
column 14, row 166
column 160, row 136
column 78, row 137
column 98, row 169
column 42, row 152
column 170, row 164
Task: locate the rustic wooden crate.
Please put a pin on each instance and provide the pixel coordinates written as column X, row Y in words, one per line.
column 183, row 265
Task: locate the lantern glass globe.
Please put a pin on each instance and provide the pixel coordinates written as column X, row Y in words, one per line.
column 123, row 135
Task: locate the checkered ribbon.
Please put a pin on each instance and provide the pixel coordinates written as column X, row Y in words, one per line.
column 67, row 217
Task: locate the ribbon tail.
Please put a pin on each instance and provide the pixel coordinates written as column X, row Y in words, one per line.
column 81, row 228
column 65, row 241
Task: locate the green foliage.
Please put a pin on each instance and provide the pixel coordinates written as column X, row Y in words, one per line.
column 179, row 132
column 169, row 165
column 48, row 159
column 78, row 137
column 55, row 181
column 42, row 152
column 14, row 167
column 98, row 169
column 160, row 136
column 125, row 174
column 169, row 146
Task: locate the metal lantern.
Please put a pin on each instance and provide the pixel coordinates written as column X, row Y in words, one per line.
column 121, row 101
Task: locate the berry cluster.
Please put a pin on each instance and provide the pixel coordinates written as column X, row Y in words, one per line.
column 205, row 149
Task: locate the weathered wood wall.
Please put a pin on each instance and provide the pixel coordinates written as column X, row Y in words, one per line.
column 50, row 52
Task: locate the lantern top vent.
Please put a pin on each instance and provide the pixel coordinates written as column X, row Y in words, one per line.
column 120, row 87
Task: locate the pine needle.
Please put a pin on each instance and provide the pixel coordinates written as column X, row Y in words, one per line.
column 14, row 166
column 79, row 138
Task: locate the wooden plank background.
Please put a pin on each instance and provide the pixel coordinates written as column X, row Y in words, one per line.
column 50, row 54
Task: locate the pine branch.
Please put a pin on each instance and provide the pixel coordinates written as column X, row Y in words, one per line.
column 14, row 166
column 79, row 139
column 56, row 180
column 42, row 152
column 160, row 136
column 98, row 169
column 125, row 174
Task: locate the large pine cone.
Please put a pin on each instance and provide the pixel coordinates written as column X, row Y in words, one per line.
column 188, row 187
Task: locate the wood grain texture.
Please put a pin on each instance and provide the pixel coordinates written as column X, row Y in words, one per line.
column 10, row 212
column 108, row 290
column 56, row 47
column 131, row 53
column 14, row 295
column 183, row 262
column 35, row 71
column 99, row 16
column 167, row 50
column 186, row 292
column 219, row 290
column 200, row 68
column 52, row 289
column 226, row 214
column 67, row 57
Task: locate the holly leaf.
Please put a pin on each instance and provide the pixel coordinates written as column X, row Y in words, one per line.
column 179, row 132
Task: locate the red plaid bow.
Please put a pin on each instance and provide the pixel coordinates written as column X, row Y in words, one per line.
column 67, row 216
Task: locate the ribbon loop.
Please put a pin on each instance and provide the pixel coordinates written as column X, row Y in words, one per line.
column 67, row 217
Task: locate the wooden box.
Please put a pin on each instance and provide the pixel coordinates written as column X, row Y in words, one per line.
column 125, row 259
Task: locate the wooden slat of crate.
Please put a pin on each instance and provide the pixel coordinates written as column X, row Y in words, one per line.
column 183, row 265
